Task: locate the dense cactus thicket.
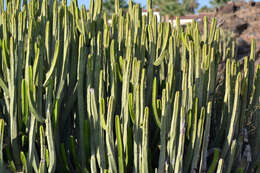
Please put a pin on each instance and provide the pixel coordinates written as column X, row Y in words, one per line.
column 81, row 94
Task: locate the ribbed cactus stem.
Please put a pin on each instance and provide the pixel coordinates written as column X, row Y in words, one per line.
column 155, row 111
column 42, row 166
column 163, row 132
column 110, row 137
column 117, row 6
column 24, row 162
column 78, row 87
column 197, row 149
column 1, row 143
column 179, row 165
column 49, row 131
column 232, row 156
column 220, row 166
column 171, row 146
column 251, row 69
column 205, row 22
column 214, row 161
column 234, row 117
column 256, row 113
column 145, row 167
column 203, row 161
column 81, row 70
column 120, row 145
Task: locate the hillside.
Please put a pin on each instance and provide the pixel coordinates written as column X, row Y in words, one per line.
column 243, row 19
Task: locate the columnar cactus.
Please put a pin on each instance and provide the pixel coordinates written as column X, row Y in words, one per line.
column 79, row 93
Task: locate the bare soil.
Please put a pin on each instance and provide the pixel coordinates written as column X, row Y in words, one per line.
column 243, row 19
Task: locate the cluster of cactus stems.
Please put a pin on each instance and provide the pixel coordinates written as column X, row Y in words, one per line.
column 80, row 94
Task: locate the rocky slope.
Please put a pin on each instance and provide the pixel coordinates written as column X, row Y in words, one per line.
column 243, row 19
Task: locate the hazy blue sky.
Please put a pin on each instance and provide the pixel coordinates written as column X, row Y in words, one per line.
column 143, row 2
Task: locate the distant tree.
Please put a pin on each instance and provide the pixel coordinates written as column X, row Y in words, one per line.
column 204, row 9
column 217, row 3
column 190, row 5
column 238, row 0
column 175, row 7
column 109, row 5
column 170, row 7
